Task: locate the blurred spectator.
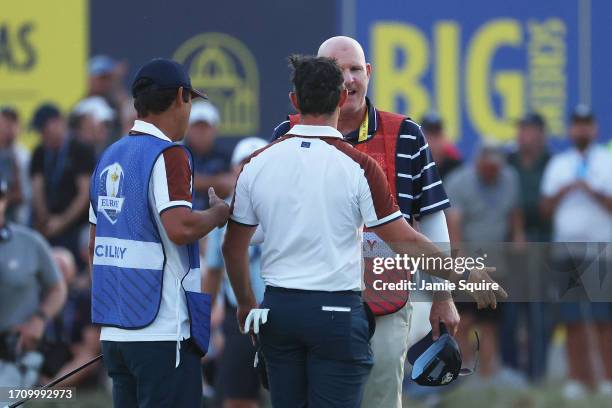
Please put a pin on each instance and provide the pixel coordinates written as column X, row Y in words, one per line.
column 12, row 126
column 9, row 164
column 61, row 168
column 485, row 198
column 445, row 154
column 211, row 167
column 32, row 291
column 237, row 381
column 485, row 209
column 82, row 127
column 577, row 194
column 70, row 339
column 106, row 80
column 90, row 123
column 529, row 161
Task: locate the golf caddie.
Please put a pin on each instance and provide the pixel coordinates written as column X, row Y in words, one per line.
column 143, row 246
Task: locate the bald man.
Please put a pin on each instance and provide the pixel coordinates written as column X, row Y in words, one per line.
column 399, row 146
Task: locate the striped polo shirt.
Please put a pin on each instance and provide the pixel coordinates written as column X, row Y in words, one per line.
column 311, row 192
column 419, row 187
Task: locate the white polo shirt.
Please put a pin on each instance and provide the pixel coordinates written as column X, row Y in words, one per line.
column 311, row 193
column 579, row 217
column 169, row 186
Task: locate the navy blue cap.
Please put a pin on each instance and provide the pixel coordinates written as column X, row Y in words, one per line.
column 437, row 362
column 583, row 113
column 165, row 74
column 43, row 114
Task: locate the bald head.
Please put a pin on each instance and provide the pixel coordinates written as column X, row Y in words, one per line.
column 349, row 56
column 341, row 45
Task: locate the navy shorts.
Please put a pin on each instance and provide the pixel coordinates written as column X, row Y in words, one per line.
column 316, row 347
column 144, row 374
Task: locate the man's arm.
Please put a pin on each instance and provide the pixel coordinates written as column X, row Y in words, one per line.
column 548, row 205
column 381, row 214
column 236, row 255
column 240, row 230
column 404, row 240
column 15, row 194
column 552, row 189
column 602, row 198
column 454, row 220
column 31, row 332
column 211, row 280
column 58, row 223
column 184, row 226
column 443, row 309
column 172, row 190
column 517, row 226
column 53, row 298
column 39, row 202
column 53, row 281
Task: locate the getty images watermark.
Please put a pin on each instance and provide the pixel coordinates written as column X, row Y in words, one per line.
column 460, row 265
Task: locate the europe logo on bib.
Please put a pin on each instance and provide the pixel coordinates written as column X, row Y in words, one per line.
column 110, row 199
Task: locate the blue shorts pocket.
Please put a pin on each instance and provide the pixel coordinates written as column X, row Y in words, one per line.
column 335, row 334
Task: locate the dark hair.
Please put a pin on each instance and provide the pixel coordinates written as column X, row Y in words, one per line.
column 317, row 82
column 45, row 113
column 148, row 99
column 10, row 113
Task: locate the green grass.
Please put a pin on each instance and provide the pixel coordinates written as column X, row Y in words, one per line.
column 548, row 396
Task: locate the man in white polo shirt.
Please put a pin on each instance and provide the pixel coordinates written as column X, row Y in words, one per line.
column 311, row 193
column 577, row 194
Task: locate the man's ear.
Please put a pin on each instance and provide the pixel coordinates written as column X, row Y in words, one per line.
column 294, row 101
column 368, row 69
column 343, row 97
column 178, row 98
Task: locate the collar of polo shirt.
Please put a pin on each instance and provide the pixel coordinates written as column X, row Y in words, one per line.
column 150, row 129
column 315, row 131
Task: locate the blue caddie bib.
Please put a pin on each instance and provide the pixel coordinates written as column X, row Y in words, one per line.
column 129, row 255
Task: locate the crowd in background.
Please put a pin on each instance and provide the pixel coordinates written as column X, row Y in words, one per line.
column 520, row 193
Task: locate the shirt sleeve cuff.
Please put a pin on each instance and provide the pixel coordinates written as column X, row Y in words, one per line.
column 385, row 220
column 171, row 204
column 439, row 206
column 244, row 221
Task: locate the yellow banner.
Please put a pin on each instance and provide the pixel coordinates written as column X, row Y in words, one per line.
column 44, row 46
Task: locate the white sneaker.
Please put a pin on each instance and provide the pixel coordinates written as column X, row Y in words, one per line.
column 605, row 388
column 574, row 390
